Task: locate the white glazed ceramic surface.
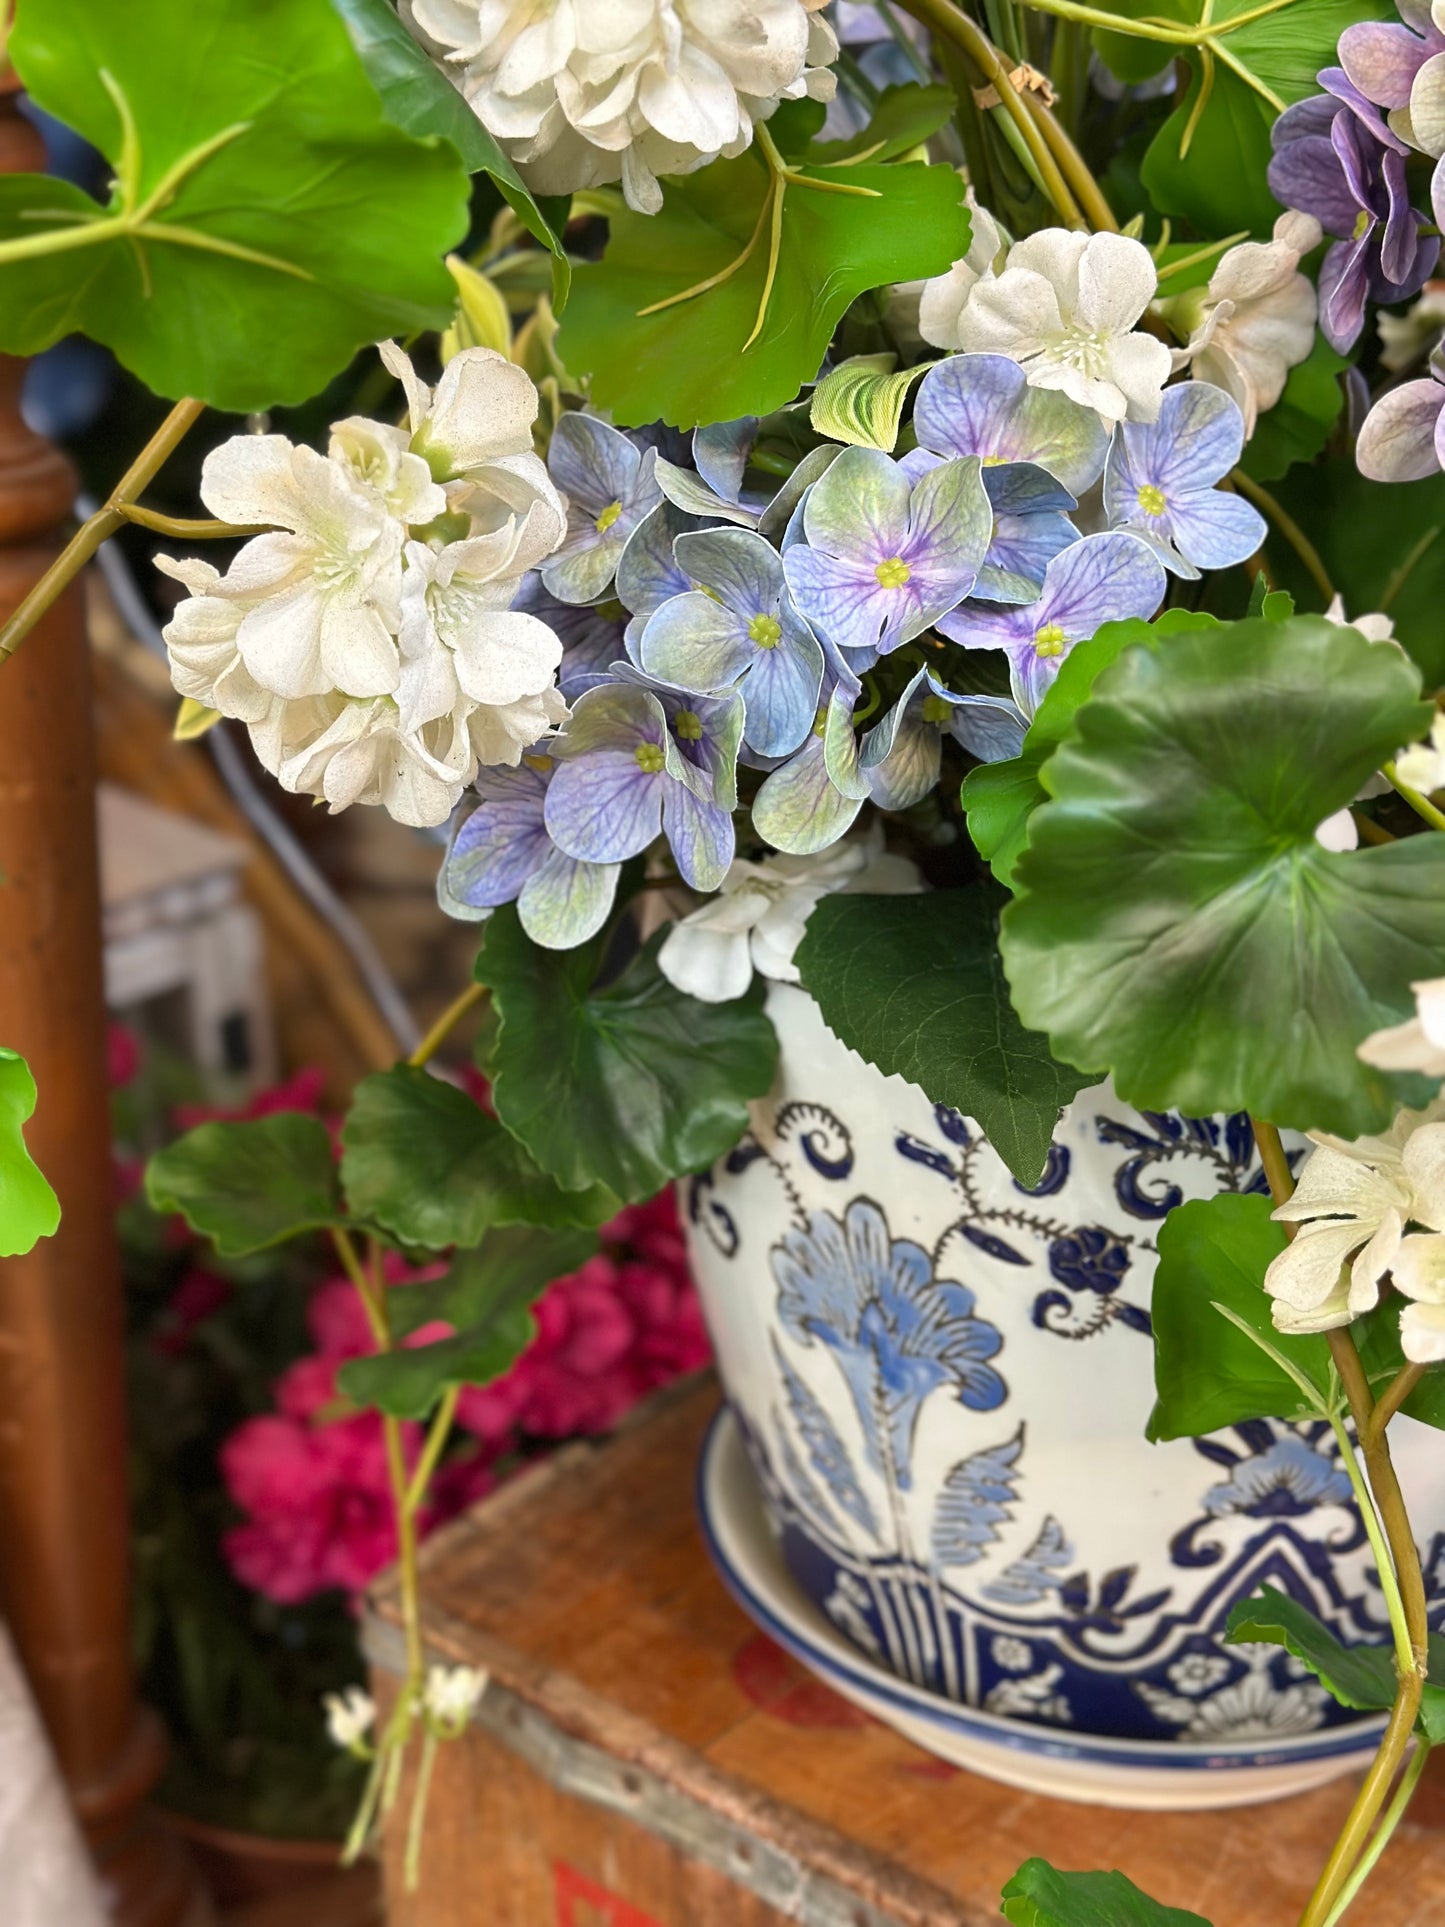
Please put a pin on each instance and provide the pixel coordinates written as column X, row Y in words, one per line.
column 944, row 1382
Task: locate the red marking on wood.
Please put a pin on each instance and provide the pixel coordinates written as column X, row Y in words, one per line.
column 774, row 1680
column 604, row 1909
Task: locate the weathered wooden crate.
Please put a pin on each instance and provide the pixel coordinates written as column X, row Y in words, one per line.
column 645, row 1758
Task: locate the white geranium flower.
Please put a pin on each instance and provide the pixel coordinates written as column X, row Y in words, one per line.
column 349, row 1716
column 1422, row 766
column 761, row 910
column 580, row 93
column 1064, row 308
column 942, row 300
column 453, row 1693
column 1374, row 628
column 1256, row 319
column 1419, row 1272
column 1352, row 1205
column 1419, row 1043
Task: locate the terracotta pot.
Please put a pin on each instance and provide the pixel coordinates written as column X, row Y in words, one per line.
column 240, row 1866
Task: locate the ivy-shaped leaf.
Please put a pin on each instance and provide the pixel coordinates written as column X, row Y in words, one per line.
column 1177, row 921
column 266, row 221
column 1040, row 1896
column 29, row 1209
column 915, row 985
column 250, row 1185
column 626, row 1085
column 724, row 303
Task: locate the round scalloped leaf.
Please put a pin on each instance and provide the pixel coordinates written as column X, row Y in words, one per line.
column 29, row 1209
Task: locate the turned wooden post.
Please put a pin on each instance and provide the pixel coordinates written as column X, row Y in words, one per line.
column 64, row 1506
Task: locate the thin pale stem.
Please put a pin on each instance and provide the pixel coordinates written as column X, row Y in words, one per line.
column 1201, row 254
column 1421, row 805
column 406, row 1551
column 411, row 1865
column 1276, row 1165
column 1394, row 1396
column 1345, row 1856
column 190, row 528
column 1386, row 1487
column 1393, row 1815
column 1384, row 1562
column 366, row 1812
column 775, row 250
column 723, row 274
column 351, row 1264
column 446, row 1024
column 436, row 1439
column 1072, row 165
column 1171, row 33
column 1289, row 529
column 104, row 523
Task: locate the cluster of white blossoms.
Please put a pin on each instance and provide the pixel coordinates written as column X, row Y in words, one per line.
column 367, row 640
column 580, row 93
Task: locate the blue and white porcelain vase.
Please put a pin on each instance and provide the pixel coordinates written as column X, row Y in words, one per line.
column 943, row 1381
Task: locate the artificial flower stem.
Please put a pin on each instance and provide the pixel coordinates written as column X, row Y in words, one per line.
column 1386, row 1487
column 1421, row 805
column 1384, row 1562
column 351, row 1264
column 411, row 1865
column 190, row 528
column 427, row 1049
column 406, row 1552
column 366, row 1812
column 1201, row 254
column 1289, row 529
column 1276, row 1165
column 436, row 1439
column 1174, row 36
column 942, row 17
column 1394, row 1814
column 1394, row 1396
column 1348, row 1849
column 100, row 526
column 1073, row 166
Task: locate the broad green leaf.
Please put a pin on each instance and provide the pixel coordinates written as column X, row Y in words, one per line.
column 265, row 222
column 628, row 1086
column 251, row 1185
column 697, row 360
column 423, row 1159
column 417, row 96
column 1040, row 1896
column 1384, row 546
column 1299, row 424
column 999, row 798
column 1208, row 1373
column 487, row 1298
column 29, row 1209
column 1178, row 923
column 1362, row 1677
column 861, row 401
column 915, row 985
column 1219, row 186
column 902, row 118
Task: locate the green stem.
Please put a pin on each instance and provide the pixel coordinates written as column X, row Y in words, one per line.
column 190, row 528
column 432, row 1450
column 1389, row 1584
column 1421, row 805
column 411, row 1866
column 1202, row 254
column 1276, row 1165
column 1074, row 167
column 1394, row 1396
column 1198, row 35
column 1394, row 1814
column 1289, row 529
column 445, row 1025
column 366, row 1812
column 103, row 524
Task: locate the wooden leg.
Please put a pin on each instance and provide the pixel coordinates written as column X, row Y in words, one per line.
column 64, row 1508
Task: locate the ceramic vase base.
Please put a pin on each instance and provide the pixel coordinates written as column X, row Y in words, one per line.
column 1157, row 1776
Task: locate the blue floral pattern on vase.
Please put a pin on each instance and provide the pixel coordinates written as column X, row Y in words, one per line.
column 943, row 1380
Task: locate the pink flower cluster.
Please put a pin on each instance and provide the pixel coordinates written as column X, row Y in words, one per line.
column 312, row 1476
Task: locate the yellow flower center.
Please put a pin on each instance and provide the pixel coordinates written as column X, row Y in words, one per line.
column 993, row 461
column 1050, row 640
column 608, row 516
column 687, row 726
column 820, row 722
column 650, row 758
column 936, row 710
column 1151, row 499
column 893, row 573
column 765, row 631
column 1362, row 225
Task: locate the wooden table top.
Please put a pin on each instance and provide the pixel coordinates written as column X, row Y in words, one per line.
column 584, row 1587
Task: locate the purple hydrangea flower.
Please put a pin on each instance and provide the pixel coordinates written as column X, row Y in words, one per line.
column 983, row 405
column 591, row 635
column 1382, row 57
column 1103, row 578
column 884, row 558
column 609, row 486
column 637, row 758
column 725, row 487
column 1403, row 436
column 501, row 853
column 1336, row 158
column 1160, row 479
column 738, row 627
column 902, row 755
column 812, row 799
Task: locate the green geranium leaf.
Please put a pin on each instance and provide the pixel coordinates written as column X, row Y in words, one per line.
column 29, row 1209
column 903, row 117
column 914, row 984
column 999, row 798
column 487, row 1298
column 1385, row 547
column 699, row 359
column 1040, row 1896
column 417, row 97
column 248, row 1186
column 423, row 1159
column 266, row 220
column 1299, row 424
column 627, row 1086
column 1210, row 1373
column 1362, row 1677
column 1179, row 924
column 861, row 401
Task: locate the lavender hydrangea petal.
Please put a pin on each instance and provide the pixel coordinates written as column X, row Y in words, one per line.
column 565, row 902
column 992, row 728
column 696, row 643
column 1025, row 488
column 504, row 839
column 1213, row 529
column 781, row 693
column 799, row 808
column 584, row 573
column 859, row 508
column 1307, row 175
column 839, row 597
column 743, row 571
column 1343, row 287
column 1315, row 115
column 720, row 452
column 592, row 462
column 691, row 494
column 777, row 516
column 1196, row 441
column 1019, row 555
column 1104, row 578
column 982, row 404
column 1382, row 58
column 950, row 522
column 648, row 572
column 1364, row 113
column 1398, row 442
column 700, row 835
column 1400, row 237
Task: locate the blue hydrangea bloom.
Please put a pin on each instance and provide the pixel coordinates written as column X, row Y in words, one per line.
column 813, row 797
column 884, row 557
column 896, row 1332
column 726, row 488
column 903, row 754
column 609, row 485
column 591, row 635
column 1160, row 476
column 636, row 759
column 502, row 853
column 1103, row 578
column 738, row 627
